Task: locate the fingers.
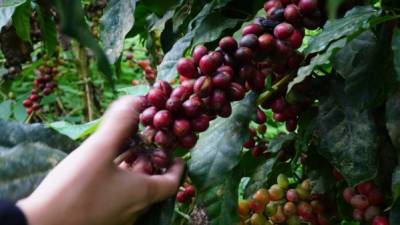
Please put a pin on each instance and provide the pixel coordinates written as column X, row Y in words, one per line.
column 118, row 124
column 166, row 185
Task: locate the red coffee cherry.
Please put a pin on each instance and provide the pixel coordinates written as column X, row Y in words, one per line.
column 163, row 139
column 261, row 118
column 371, row 212
column 181, row 127
column 146, row 117
column 348, row 193
column 272, row 3
column 244, row 54
column 236, row 92
column 156, row 98
column 221, row 80
column 198, row 52
column 283, row 31
column 247, row 72
column 292, row 14
column 253, row 29
column 27, row 103
column 307, row 7
column 203, row 86
column 200, row 123
column 162, row 119
column 291, row 195
column 380, row 220
column 190, row 191
column 291, row 125
column 208, row 65
column 375, row 197
column 193, row 107
column 358, row 214
column 181, row 197
column 218, row 99
column 164, row 86
column 365, row 188
column 226, row 69
column 266, row 43
column 181, row 92
column 159, row 158
column 173, row 105
column 249, row 41
column 186, row 68
column 228, row 44
column 359, row 202
column 249, row 143
column 188, row 141
column 225, row 111
column 296, row 39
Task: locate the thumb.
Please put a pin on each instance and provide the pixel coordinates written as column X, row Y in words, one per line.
column 118, row 124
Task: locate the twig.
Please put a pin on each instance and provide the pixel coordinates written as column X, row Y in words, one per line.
column 276, row 87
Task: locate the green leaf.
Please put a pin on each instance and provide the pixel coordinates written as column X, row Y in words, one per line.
column 159, row 7
column 368, row 83
column 48, row 29
column 393, row 119
column 319, row 60
column 281, row 141
column 6, row 109
column 74, row 25
column 346, row 137
column 116, row 22
column 73, row 131
column 319, row 171
column 220, row 201
column 159, row 214
column 265, row 175
column 21, row 21
column 7, row 8
column 396, row 51
column 12, row 134
column 212, row 27
column 218, row 149
column 135, row 90
column 23, row 166
column 355, row 20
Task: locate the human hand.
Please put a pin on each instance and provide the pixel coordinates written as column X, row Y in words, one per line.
column 88, row 188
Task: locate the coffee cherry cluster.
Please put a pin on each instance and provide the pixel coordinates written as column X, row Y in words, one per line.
column 44, row 85
column 94, row 11
column 149, row 72
column 366, row 200
column 211, row 80
column 186, row 193
column 281, row 204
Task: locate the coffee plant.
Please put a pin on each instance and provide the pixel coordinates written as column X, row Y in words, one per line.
column 285, row 111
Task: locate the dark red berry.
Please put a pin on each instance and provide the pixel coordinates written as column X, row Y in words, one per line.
column 27, row 103
column 217, row 57
column 365, row 188
column 249, row 143
column 203, row 86
column 141, row 103
column 198, row 52
column 292, row 14
column 186, row 68
column 253, row 29
column 266, row 42
column 250, row 41
column 221, row 80
column 359, row 202
column 283, row 31
column 228, row 44
column 162, row 119
column 156, row 98
column 190, row 191
column 193, row 107
column 278, row 105
column 218, row 99
column 247, row 72
column 272, row 3
column 348, row 193
column 380, row 220
column 181, row 197
column 279, row 117
column 173, row 105
column 307, row 7
column 36, row 106
column 146, row 117
column 159, row 158
column 236, row 92
column 208, row 65
column 261, row 118
column 296, row 39
column 181, row 92
column 375, row 197
column 163, row 139
column 291, row 125
column 226, row 69
column 225, row 111
column 181, row 127
column 244, row 54
column 358, row 214
column 283, row 49
column 164, row 86
column 188, row 141
column 200, row 123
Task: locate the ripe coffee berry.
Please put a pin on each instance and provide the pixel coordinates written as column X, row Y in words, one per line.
column 146, row 117
column 186, row 68
column 188, row 141
column 292, row 13
column 156, row 98
column 200, row 123
column 162, row 119
column 253, row 29
column 380, row 220
column 181, row 127
column 208, row 65
column 266, row 42
column 198, row 52
column 283, row 31
column 250, row 41
column 307, row 7
column 221, row 80
column 228, row 44
column 203, row 86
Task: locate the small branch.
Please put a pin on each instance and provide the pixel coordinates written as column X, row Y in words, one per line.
column 187, row 217
column 30, row 116
column 275, row 88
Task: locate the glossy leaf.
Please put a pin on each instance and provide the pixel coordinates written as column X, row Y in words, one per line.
column 74, row 25
column 218, row 150
column 354, row 21
column 13, row 133
column 319, row 60
column 116, row 22
column 73, row 131
column 220, row 201
column 6, row 109
column 281, row 141
column 48, row 28
column 356, row 63
column 347, row 138
column 21, row 21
